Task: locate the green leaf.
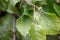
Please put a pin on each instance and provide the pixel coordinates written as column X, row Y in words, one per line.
column 11, row 6
column 50, row 23
column 46, row 9
column 31, row 1
column 57, row 9
column 36, row 31
column 6, row 22
column 38, row 3
column 26, row 10
column 3, row 4
column 11, row 9
column 13, row 2
column 45, row 24
column 23, row 24
column 50, row 4
column 8, row 5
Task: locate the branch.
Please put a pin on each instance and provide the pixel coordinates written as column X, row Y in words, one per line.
column 14, row 27
column 22, row 2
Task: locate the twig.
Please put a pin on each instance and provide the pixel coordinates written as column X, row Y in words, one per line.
column 14, row 27
column 22, row 2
